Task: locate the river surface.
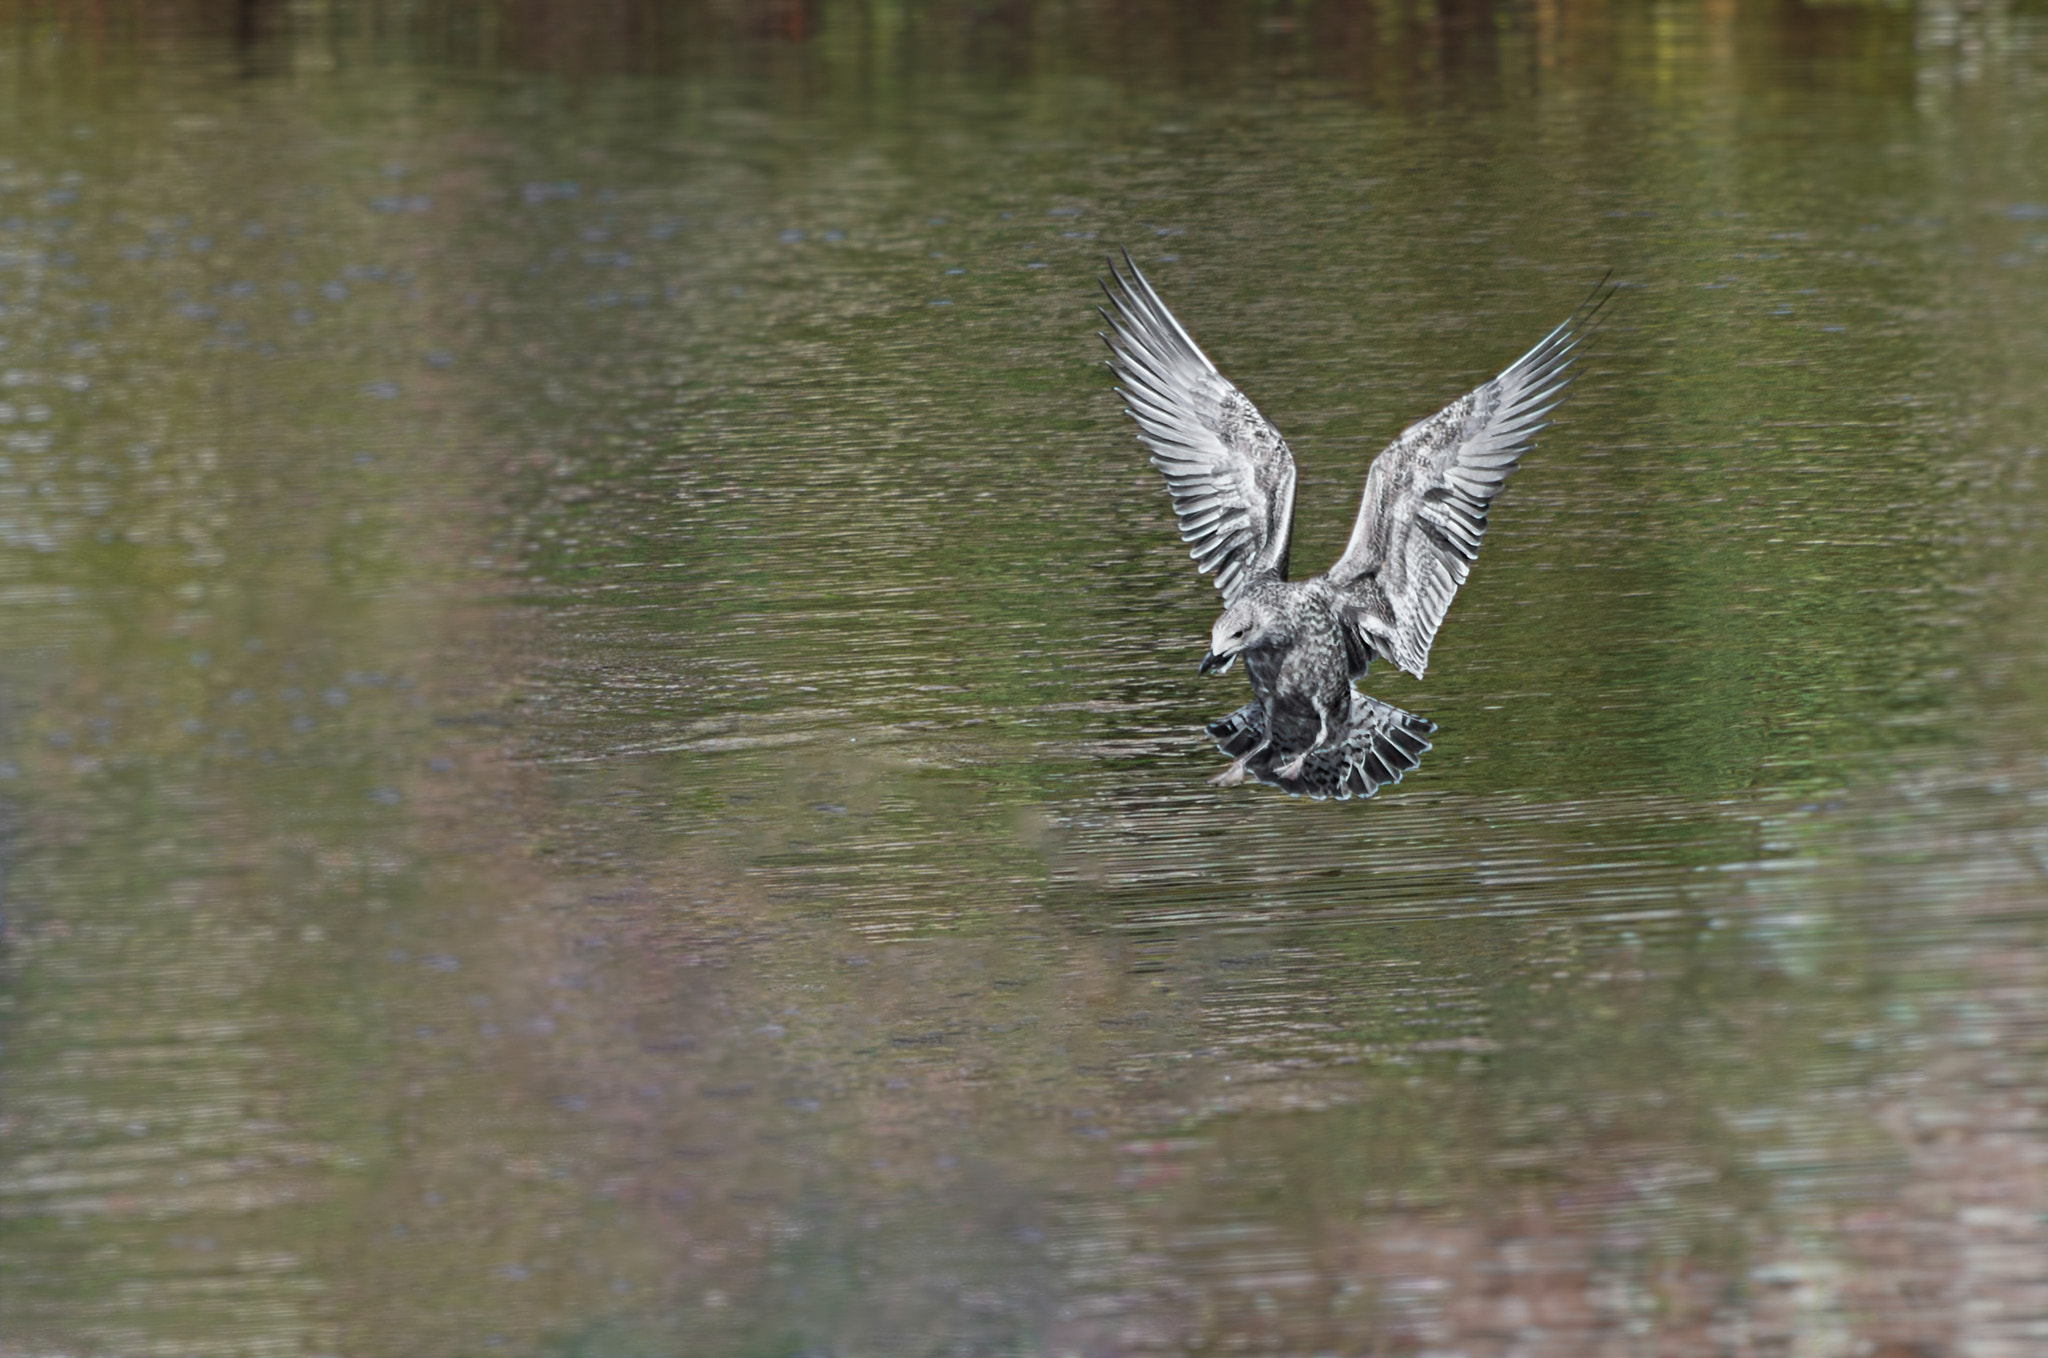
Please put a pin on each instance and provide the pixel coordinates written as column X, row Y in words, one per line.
column 600, row 750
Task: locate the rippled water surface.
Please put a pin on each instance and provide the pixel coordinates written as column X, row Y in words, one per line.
column 599, row 745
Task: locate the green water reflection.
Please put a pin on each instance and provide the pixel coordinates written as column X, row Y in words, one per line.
column 599, row 741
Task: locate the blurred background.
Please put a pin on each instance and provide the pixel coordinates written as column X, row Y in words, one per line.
column 599, row 745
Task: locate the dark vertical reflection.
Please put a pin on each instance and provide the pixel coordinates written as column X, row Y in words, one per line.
column 261, row 41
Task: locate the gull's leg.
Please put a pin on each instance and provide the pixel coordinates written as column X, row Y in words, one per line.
column 1240, row 769
column 1291, row 770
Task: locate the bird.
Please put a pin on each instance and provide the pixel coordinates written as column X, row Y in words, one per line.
column 1309, row 730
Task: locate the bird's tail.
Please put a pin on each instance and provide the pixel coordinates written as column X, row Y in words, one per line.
column 1381, row 744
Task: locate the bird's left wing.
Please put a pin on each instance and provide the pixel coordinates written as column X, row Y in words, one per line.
column 1227, row 468
column 1426, row 497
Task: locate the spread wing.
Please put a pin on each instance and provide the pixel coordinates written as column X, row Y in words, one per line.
column 1426, row 497
column 1227, row 468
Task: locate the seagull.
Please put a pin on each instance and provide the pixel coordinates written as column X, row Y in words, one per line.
column 1308, row 729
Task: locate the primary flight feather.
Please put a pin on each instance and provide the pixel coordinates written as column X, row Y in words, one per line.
column 1308, row 729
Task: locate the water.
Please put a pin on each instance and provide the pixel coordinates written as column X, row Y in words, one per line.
column 599, row 746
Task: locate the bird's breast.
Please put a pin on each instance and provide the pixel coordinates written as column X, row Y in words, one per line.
column 1263, row 666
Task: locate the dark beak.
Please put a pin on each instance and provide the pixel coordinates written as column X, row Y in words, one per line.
column 1213, row 663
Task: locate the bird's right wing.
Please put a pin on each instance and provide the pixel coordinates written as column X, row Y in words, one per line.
column 1427, row 494
column 1227, row 468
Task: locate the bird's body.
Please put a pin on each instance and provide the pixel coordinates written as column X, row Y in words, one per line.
column 1303, row 667
column 1302, row 670
column 1308, row 729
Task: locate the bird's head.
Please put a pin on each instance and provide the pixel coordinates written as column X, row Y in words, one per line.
column 1241, row 627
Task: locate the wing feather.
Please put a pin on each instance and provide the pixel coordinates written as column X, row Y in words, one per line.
column 1227, row 468
column 1426, row 497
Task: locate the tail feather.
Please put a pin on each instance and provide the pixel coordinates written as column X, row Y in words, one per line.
column 1381, row 744
column 1240, row 730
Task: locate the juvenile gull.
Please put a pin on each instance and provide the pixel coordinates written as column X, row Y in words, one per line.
column 1308, row 729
